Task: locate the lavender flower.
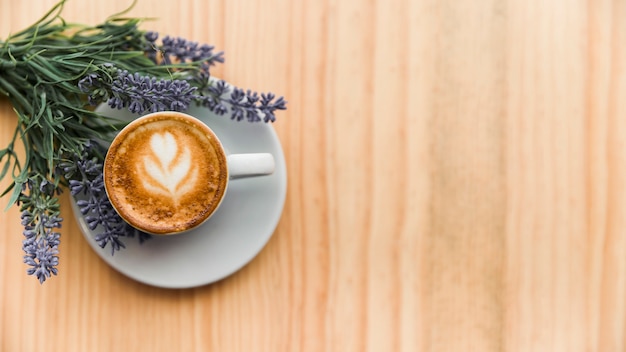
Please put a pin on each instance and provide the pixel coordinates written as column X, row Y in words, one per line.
column 268, row 106
column 41, row 255
column 40, row 218
column 84, row 173
column 141, row 93
column 92, row 84
column 181, row 50
column 136, row 92
column 220, row 99
column 216, row 97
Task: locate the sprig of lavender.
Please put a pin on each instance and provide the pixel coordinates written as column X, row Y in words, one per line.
column 139, row 93
column 121, row 89
column 180, row 50
column 41, row 220
column 84, row 173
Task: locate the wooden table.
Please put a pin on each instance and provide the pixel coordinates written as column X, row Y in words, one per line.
column 457, row 182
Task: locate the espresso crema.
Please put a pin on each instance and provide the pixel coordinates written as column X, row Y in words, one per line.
column 165, row 173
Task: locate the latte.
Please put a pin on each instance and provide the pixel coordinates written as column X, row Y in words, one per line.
column 165, row 173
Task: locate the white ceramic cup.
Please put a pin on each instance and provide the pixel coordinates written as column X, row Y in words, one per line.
column 167, row 172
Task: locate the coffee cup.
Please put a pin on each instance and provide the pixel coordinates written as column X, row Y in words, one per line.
column 167, row 172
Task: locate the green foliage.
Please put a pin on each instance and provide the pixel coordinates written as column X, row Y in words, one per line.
column 39, row 70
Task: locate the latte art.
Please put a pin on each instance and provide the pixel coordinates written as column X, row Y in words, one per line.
column 168, row 167
column 165, row 173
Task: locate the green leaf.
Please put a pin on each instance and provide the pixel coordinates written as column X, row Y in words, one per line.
column 5, row 168
column 16, row 186
column 8, row 189
column 17, row 190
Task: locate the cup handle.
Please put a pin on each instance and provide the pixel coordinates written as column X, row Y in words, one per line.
column 250, row 164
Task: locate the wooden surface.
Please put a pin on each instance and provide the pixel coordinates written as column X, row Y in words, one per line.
column 457, row 173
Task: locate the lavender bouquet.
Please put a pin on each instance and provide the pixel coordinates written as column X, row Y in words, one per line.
column 54, row 73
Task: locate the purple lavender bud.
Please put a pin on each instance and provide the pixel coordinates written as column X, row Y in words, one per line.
column 116, row 103
column 50, row 221
column 111, row 235
column 85, row 206
column 220, row 109
column 151, row 36
column 54, row 239
column 92, row 222
column 27, row 217
column 76, row 187
column 30, row 233
column 41, row 256
column 136, row 107
column 88, row 82
column 219, row 89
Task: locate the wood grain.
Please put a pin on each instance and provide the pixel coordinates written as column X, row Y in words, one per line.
column 457, row 182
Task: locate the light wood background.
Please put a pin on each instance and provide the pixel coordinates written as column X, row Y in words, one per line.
column 457, row 173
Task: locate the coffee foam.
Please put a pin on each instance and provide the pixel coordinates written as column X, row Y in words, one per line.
column 166, row 174
column 167, row 166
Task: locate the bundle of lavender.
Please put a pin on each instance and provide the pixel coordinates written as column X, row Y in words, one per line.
column 53, row 74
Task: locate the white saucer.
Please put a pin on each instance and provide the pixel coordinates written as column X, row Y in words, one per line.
column 230, row 239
